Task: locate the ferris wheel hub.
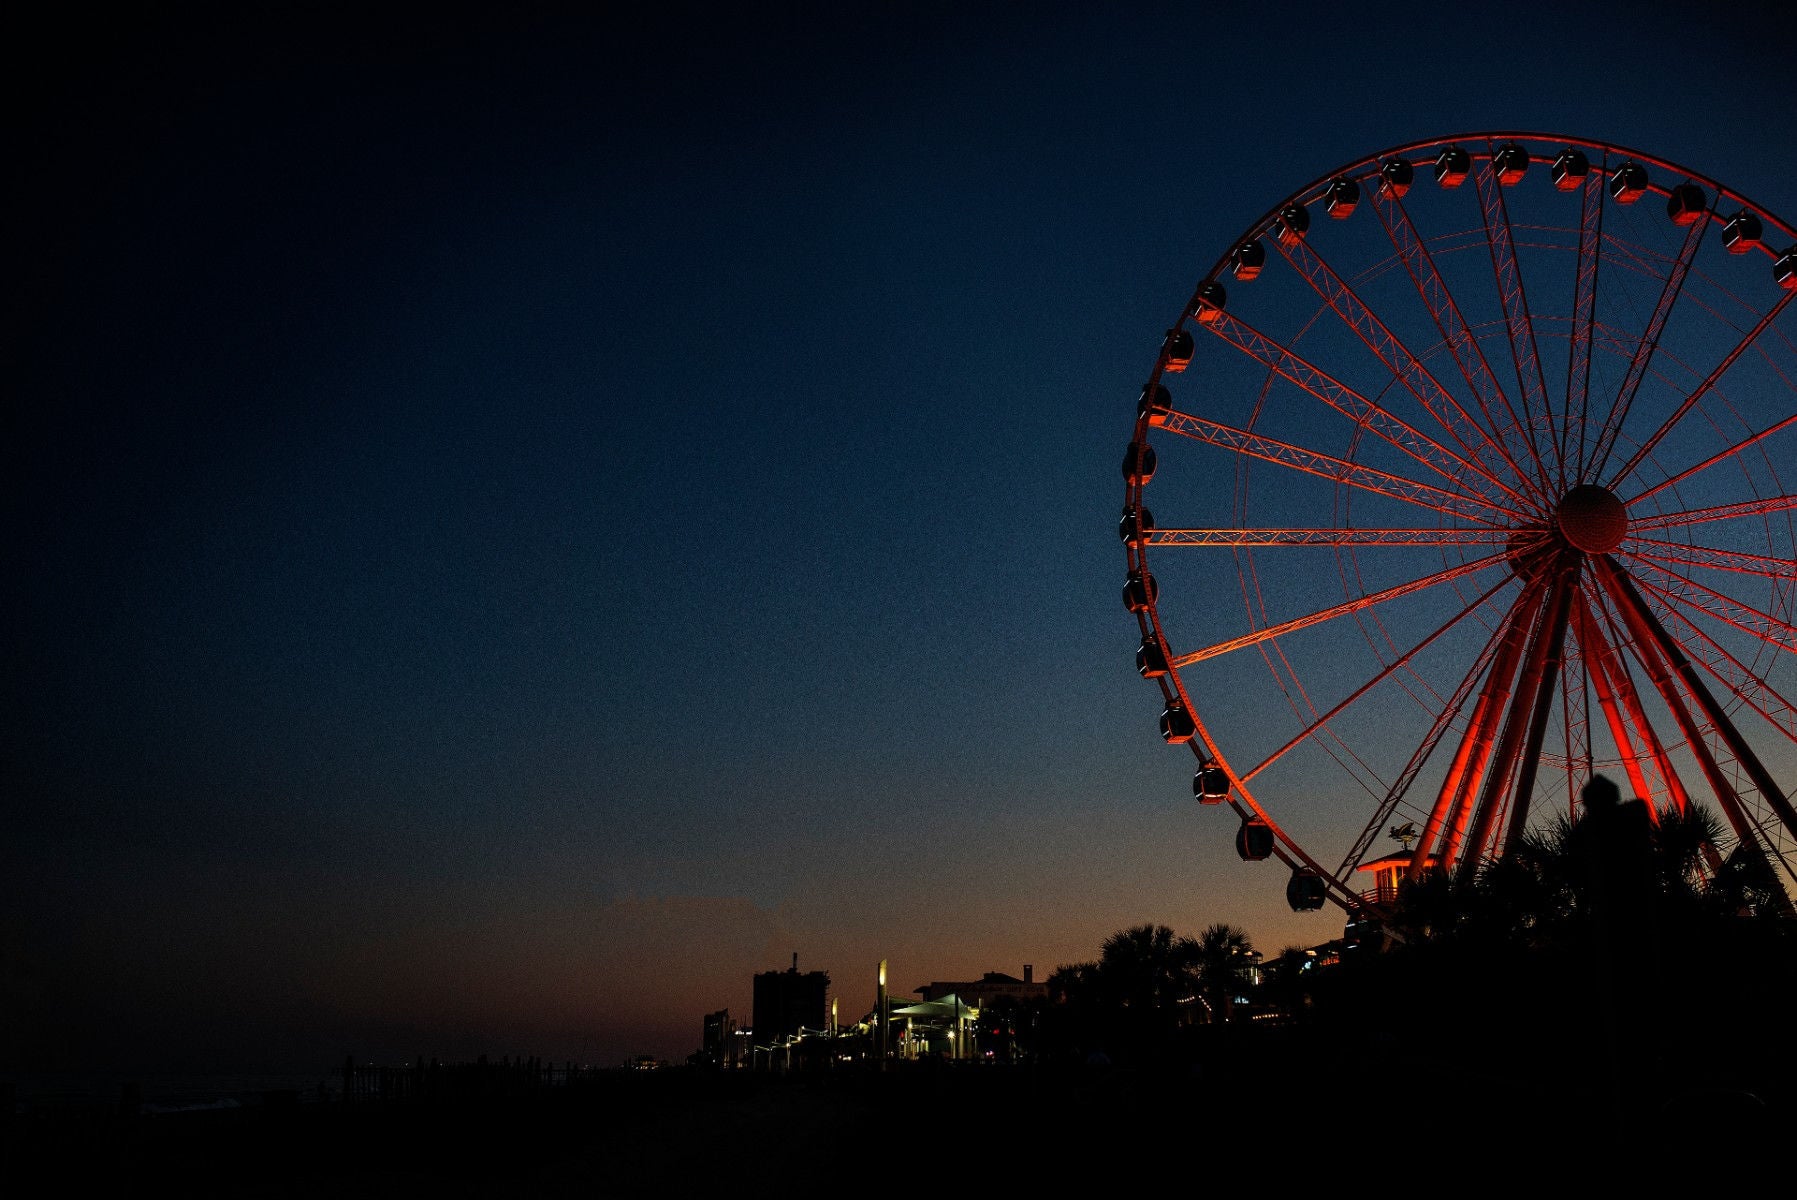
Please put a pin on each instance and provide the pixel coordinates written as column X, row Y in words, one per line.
column 1592, row 519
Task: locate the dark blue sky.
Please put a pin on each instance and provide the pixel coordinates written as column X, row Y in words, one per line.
column 520, row 521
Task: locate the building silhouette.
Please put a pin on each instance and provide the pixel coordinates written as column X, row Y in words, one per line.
column 991, row 986
column 720, row 1047
column 786, row 1002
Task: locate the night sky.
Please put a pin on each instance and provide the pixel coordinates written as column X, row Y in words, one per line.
column 518, row 522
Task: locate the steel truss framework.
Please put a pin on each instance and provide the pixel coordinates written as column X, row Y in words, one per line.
column 1582, row 557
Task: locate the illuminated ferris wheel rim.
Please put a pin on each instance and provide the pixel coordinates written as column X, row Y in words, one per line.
column 1576, row 516
column 1361, row 169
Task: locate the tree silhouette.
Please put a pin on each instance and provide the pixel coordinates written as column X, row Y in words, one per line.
column 1222, row 960
column 1131, row 1002
column 1619, row 917
column 1149, row 969
column 1074, row 1021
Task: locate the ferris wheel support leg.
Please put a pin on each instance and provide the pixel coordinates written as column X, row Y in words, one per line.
column 1647, row 651
column 1636, row 716
column 1752, row 837
column 1552, row 664
column 1446, row 819
column 1575, row 719
column 1596, row 653
column 1518, row 723
column 1636, row 611
column 1449, row 712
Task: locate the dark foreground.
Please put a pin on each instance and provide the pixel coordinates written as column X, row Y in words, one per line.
column 909, row 1132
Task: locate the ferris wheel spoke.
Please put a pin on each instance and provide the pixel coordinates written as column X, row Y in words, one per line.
column 1733, row 451
column 1680, row 554
column 1668, row 660
column 1728, row 670
column 1698, row 393
column 1339, row 470
column 1358, row 604
column 1353, row 405
column 1398, row 358
column 1765, row 507
column 1517, row 319
column 1644, row 349
column 1327, row 537
column 1363, row 411
column 1462, row 346
column 1343, row 753
column 1744, row 617
column 1584, row 300
column 1322, row 721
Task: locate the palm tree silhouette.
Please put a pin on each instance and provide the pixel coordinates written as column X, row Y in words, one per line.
column 1149, row 968
column 1223, row 958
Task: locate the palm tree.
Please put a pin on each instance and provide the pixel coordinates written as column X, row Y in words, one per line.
column 1074, row 1019
column 1223, row 958
column 1685, row 856
column 1148, row 968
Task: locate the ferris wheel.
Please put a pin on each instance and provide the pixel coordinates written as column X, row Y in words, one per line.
column 1471, row 465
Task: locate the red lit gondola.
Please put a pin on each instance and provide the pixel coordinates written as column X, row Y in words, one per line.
column 1254, row 840
column 1135, row 524
column 1686, row 205
column 1395, row 177
column 1176, row 351
column 1451, row 167
column 1569, row 170
column 1139, row 591
column 1151, row 658
column 1247, row 259
column 1628, row 183
column 1155, row 404
column 1138, row 463
column 1211, row 301
column 1742, row 232
column 1177, row 726
column 1509, row 163
column 1306, row 891
column 1292, row 223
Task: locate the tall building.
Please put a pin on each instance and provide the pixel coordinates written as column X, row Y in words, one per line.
column 719, row 1048
column 786, row 1001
